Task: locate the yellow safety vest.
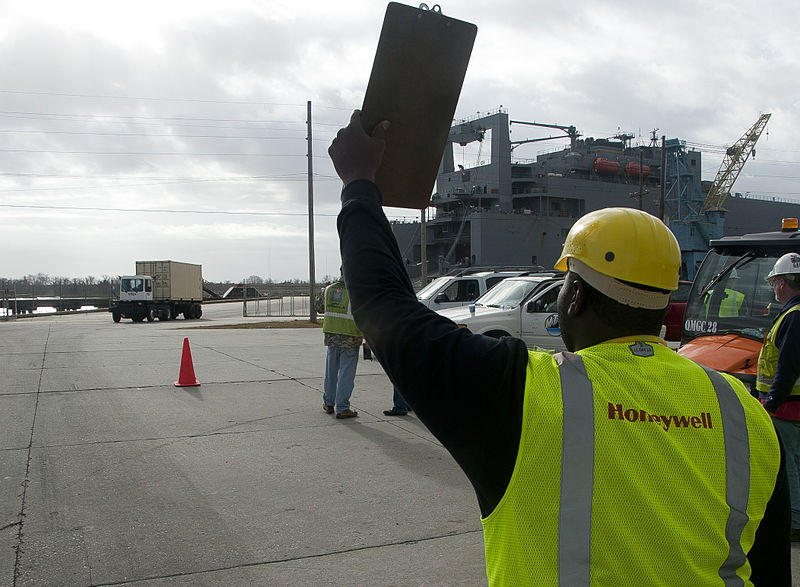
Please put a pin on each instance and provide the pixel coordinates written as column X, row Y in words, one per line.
column 768, row 357
column 632, row 470
column 729, row 305
column 338, row 318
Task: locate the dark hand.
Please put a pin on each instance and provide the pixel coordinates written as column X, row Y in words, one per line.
column 355, row 154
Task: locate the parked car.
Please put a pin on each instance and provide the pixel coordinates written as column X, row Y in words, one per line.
column 466, row 285
column 523, row 306
column 677, row 306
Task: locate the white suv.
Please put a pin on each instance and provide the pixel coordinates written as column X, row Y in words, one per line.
column 468, row 285
column 523, row 307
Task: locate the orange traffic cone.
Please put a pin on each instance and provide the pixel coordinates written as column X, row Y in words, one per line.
column 186, row 377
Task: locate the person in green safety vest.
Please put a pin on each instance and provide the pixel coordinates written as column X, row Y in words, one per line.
column 343, row 340
column 778, row 380
column 617, row 463
column 731, row 303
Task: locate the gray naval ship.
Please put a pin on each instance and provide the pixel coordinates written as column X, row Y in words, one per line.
column 508, row 212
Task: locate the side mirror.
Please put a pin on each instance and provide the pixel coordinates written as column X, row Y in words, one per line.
column 531, row 308
column 441, row 298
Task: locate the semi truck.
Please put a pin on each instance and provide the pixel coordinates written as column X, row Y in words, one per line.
column 160, row 290
column 731, row 306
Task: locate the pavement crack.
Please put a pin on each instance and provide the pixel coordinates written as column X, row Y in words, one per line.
column 291, row 559
column 18, row 547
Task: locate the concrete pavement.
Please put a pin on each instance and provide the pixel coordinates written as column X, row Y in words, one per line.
column 119, row 477
column 110, row 475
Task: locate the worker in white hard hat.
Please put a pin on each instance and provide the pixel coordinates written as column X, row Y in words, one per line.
column 616, row 463
column 778, row 379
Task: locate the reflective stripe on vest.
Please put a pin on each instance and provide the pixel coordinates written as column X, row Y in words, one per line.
column 577, row 473
column 737, row 473
column 768, row 357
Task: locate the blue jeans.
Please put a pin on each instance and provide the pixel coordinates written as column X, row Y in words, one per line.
column 340, row 375
column 398, row 403
column 789, row 433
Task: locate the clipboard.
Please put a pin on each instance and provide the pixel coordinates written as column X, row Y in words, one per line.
column 416, row 79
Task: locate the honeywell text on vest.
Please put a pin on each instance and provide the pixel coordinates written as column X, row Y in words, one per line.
column 617, row 412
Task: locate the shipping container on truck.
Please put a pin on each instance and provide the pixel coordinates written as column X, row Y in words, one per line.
column 160, row 290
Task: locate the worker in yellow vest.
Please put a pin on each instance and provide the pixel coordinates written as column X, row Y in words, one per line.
column 616, row 463
column 731, row 303
column 778, row 379
column 343, row 340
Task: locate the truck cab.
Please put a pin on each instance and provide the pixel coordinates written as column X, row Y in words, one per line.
column 731, row 307
column 133, row 288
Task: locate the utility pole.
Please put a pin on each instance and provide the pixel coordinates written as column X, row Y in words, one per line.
column 663, row 176
column 423, row 248
column 311, row 285
column 641, row 178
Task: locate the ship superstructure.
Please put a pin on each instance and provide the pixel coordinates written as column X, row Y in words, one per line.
column 507, row 211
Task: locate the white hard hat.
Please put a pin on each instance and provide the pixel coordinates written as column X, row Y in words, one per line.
column 786, row 265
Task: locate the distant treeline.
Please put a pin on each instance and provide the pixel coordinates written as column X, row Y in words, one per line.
column 44, row 285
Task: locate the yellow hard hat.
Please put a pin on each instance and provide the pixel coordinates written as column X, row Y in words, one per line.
column 626, row 244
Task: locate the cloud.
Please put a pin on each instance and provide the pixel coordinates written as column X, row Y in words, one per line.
column 202, row 106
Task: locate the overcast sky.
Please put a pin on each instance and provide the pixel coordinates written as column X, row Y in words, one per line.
column 177, row 129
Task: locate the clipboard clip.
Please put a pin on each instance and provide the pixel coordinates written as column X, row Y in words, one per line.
column 436, row 8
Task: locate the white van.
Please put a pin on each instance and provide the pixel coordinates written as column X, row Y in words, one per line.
column 465, row 286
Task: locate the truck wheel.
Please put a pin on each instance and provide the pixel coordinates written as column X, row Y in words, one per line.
column 115, row 316
column 166, row 314
column 151, row 315
column 197, row 311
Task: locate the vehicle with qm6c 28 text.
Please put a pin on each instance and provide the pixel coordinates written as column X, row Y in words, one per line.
column 731, row 306
column 160, row 289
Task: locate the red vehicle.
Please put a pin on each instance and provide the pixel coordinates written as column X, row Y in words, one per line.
column 677, row 306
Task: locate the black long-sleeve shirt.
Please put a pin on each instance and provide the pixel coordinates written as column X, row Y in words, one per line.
column 468, row 389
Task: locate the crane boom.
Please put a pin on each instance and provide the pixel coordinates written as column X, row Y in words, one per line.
column 735, row 158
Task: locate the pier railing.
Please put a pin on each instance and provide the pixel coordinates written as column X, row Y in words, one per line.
column 285, row 306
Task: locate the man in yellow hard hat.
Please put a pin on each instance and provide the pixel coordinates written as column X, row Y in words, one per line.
column 616, row 463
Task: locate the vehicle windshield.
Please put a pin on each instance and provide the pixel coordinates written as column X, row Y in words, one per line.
column 509, row 293
column 132, row 285
column 430, row 290
column 740, row 302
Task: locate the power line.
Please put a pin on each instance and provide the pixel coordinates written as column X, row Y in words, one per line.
column 150, row 184
column 154, row 153
column 159, row 210
column 163, row 99
column 148, row 99
column 163, row 178
column 129, row 117
column 149, row 135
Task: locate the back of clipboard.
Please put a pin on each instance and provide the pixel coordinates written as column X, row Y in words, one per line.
column 416, row 79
